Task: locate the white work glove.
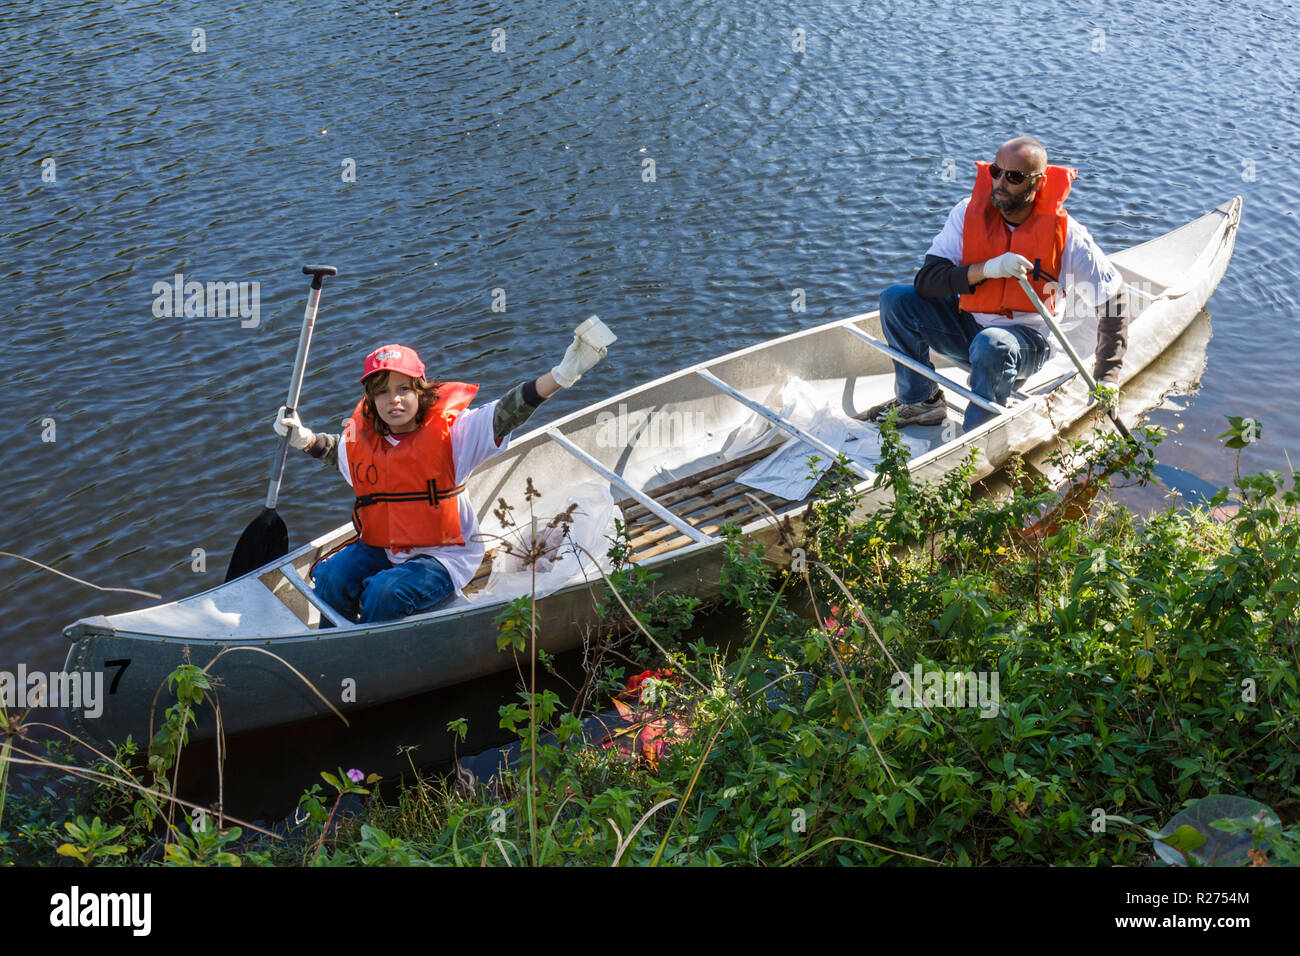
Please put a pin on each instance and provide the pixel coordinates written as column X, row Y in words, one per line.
column 1007, row 266
column 287, row 423
column 590, row 340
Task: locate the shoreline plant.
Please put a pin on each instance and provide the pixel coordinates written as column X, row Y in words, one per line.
column 1144, row 671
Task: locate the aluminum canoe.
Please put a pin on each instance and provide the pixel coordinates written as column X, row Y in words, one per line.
column 666, row 452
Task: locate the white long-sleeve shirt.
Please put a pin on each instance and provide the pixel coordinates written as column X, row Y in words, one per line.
column 1084, row 269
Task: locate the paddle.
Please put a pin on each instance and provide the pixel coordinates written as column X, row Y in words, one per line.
column 1069, row 350
column 267, row 538
column 1195, row 490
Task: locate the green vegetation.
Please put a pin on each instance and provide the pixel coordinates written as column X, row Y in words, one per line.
column 1137, row 687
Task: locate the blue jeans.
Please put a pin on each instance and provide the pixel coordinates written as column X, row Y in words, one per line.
column 997, row 355
column 360, row 580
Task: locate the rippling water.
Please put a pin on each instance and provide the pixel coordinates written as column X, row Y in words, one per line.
column 821, row 168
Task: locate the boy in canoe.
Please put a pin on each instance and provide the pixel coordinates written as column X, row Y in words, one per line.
column 966, row 302
column 407, row 451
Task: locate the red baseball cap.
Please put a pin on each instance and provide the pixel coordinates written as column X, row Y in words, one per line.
column 393, row 358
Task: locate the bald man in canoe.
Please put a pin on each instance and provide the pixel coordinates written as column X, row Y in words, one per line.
column 967, row 304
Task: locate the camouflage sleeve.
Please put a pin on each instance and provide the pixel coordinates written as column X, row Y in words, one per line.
column 1112, row 337
column 325, row 448
column 514, row 408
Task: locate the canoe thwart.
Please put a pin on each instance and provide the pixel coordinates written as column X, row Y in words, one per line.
column 645, row 500
column 307, row 591
column 764, row 412
column 909, row 362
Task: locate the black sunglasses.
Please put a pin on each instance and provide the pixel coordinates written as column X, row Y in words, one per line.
column 1013, row 177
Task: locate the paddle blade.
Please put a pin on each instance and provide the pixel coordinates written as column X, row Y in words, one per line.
column 261, row 543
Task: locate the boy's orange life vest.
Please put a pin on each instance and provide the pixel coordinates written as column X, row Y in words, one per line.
column 406, row 493
column 1040, row 239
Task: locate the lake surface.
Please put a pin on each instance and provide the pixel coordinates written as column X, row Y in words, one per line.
column 809, row 146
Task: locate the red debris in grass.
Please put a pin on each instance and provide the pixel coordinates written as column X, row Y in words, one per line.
column 651, row 731
column 633, row 685
column 837, row 623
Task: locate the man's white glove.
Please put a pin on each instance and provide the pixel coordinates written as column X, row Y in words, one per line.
column 287, row 423
column 1007, row 266
column 590, row 340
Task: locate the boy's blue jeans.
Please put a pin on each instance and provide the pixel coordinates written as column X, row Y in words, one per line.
column 997, row 355
column 360, row 580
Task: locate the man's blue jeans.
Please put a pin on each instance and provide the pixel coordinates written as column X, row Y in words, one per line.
column 360, row 580
column 997, row 355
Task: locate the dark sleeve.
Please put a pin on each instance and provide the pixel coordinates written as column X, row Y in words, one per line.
column 1112, row 337
column 326, row 448
column 514, row 408
column 939, row 279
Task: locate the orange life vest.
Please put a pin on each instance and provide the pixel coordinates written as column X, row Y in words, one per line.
column 406, row 493
column 1040, row 239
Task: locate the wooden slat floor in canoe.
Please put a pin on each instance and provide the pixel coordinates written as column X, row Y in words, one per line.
column 706, row 500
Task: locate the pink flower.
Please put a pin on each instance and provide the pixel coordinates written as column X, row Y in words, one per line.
column 356, row 776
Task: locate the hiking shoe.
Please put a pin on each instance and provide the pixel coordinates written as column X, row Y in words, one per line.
column 932, row 411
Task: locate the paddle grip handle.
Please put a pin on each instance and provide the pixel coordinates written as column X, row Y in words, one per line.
column 318, row 274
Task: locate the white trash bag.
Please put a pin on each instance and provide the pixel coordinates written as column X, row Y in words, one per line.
column 574, row 515
column 786, row 472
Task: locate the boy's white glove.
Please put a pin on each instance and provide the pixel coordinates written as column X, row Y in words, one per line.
column 287, row 423
column 590, row 340
column 1007, row 266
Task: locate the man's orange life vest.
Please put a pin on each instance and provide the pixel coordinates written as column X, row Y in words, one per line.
column 1040, row 239
column 406, row 493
